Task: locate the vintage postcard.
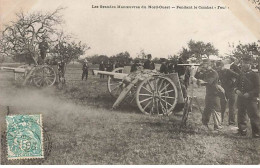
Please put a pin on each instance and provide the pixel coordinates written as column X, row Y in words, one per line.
column 129, row 82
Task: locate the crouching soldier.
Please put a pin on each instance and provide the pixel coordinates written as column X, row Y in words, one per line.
column 247, row 89
column 212, row 98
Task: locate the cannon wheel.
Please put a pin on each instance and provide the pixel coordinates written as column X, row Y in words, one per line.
column 115, row 85
column 44, row 76
column 156, row 95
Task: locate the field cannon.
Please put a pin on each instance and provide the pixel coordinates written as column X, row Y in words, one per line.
column 153, row 92
column 40, row 75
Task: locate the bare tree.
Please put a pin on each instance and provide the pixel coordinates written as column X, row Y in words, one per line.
column 22, row 36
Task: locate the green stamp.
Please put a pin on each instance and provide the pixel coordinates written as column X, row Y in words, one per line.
column 24, row 137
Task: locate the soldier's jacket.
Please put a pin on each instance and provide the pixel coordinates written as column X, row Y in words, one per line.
column 85, row 67
column 227, row 79
column 235, row 68
column 211, row 77
column 43, row 45
column 248, row 83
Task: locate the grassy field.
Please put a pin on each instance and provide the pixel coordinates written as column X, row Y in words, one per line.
column 84, row 129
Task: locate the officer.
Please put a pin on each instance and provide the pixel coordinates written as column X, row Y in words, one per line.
column 85, row 69
column 209, row 78
column 43, row 46
column 247, row 89
column 227, row 79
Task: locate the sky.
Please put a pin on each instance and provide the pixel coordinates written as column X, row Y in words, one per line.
column 158, row 32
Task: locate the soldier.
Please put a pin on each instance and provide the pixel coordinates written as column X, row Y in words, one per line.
column 85, row 69
column 247, row 89
column 134, row 67
column 212, row 98
column 234, row 65
column 170, row 67
column 117, row 65
column 61, row 71
column 43, row 46
column 148, row 64
column 227, row 79
column 102, row 68
column 164, row 66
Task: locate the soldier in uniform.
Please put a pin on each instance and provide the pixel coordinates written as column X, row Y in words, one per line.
column 247, row 89
column 101, row 68
column 227, row 79
column 234, row 65
column 148, row 64
column 85, row 70
column 164, row 66
column 134, row 67
column 61, row 71
column 212, row 98
column 43, row 46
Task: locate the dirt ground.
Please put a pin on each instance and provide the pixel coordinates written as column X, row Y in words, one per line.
column 84, row 130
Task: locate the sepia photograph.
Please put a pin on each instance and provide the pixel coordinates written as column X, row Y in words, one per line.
column 129, row 82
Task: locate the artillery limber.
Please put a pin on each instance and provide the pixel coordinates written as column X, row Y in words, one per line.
column 153, row 92
column 40, row 75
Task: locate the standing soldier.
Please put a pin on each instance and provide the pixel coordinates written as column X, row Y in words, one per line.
column 102, row 68
column 61, row 71
column 212, row 98
column 234, row 65
column 43, row 46
column 135, row 65
column 85, row 69
column 148, row 64
column 227, row 79
column 164, row 66
column 248, row 92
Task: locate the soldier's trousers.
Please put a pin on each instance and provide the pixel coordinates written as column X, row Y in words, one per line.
column 43, row 54
column 248, row 106
column 231, row 98
column 212, row 106
column 85, row 74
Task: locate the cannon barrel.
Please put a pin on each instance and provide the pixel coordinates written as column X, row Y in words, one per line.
column 16, row 70
column 188, row 64
column 113, row 74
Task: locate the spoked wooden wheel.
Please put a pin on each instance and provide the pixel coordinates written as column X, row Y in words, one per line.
column 156, row 95
column 115, row 86
column 44, row 76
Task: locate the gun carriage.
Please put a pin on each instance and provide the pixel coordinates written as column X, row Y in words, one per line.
column 40, row 75
column 153, row 92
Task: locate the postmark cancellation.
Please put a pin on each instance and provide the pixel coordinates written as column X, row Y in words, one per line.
column 24, row 137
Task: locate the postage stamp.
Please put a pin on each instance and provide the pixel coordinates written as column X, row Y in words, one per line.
column 24, row 137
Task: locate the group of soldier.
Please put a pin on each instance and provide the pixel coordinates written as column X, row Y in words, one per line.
column 237, row 85
column 240, row 85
